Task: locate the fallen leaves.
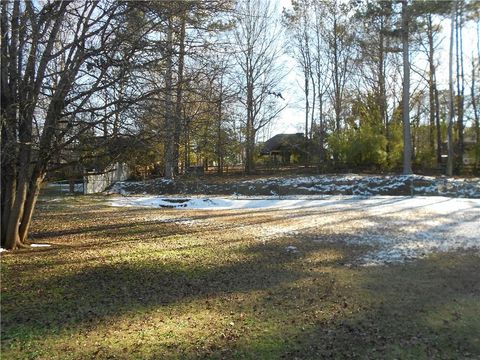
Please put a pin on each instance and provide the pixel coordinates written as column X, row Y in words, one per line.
column 202, row 286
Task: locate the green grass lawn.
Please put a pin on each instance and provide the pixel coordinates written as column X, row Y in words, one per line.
column 127, row 283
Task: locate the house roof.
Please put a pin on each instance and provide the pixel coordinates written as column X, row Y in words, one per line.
column 283, row 142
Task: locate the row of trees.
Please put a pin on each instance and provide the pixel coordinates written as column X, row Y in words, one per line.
column 357, row 100
column 153, row 83
column 76, row 71
column 170, row 84
column 217, row 87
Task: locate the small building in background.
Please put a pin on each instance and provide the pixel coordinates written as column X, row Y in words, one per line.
column 285, row 149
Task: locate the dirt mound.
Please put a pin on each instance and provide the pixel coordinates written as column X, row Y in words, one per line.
column 361, row 185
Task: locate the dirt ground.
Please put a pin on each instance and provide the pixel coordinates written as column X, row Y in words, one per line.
column 345, row 184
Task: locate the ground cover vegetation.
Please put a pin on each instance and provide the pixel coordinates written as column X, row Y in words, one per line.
column 143, row 283
column 173, row 86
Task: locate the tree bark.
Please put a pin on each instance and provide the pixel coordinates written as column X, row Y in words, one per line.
column 438, row 128
column 220, row 152
column 451, row 109
column 476, row 117
column 431, row 88
column 382, row 96
column 179, row 97
column 460, row 100
column 407, row 138
column 23, row 95
column 31, row 201
column 250, row 137
column 336, row 76
column 169, row 115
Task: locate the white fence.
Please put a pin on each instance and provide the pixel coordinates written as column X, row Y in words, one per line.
column 96, row 183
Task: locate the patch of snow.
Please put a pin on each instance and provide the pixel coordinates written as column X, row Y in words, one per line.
column 53, row 200
column 397, row 228
column 3, row 250
column 291, row 249
column 220, row 203
column 40, row 245
column 184, row 221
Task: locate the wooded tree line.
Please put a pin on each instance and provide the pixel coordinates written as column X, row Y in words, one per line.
column 77, row 75
column 170, row 84
column 374, row 80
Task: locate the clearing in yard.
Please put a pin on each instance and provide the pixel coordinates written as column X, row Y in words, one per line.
column 258, row 278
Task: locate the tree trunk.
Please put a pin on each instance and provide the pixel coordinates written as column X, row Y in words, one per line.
column 169, row 115
column 431, row 86
column 321, row 126
column 8, row 124
column 407, row 138
column 187, row 145
column 476, row 117
column 179, row 98
column 31, row 201
column 382, row 96
column 219, row 130
column 336, row 78
column 451, row 110
column 250, row 137
column 438, row 128
column 460, row 86
column 8, row 171
column 307, row 108
column 314, row 99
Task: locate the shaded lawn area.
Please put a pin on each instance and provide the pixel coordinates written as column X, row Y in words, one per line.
column 130, row 283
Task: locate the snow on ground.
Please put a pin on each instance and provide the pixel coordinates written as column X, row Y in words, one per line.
column 438, row 203
column 32, row 245
column 214, row 203
column 393, row 228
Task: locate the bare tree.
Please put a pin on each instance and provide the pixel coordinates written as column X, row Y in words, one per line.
column 340, row 42
column 475, row 113
column 460, row 75
column 451, row 106
column 299, row 26
column 168, row 108
column 475, row 15
column 407, row 137
column 256, row 54
column 433, row 91
column 51, row 88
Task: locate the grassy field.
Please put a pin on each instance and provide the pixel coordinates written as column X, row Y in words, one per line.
column 133, row 283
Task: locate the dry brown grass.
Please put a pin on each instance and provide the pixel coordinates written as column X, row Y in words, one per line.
column 170, row 284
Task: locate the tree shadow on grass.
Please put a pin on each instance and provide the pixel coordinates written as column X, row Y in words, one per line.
column 424, row 310
column 106, row 291
column 314, row 307
column 379, row 313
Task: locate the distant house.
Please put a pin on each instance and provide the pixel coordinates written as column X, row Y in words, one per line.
column 283, row 147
